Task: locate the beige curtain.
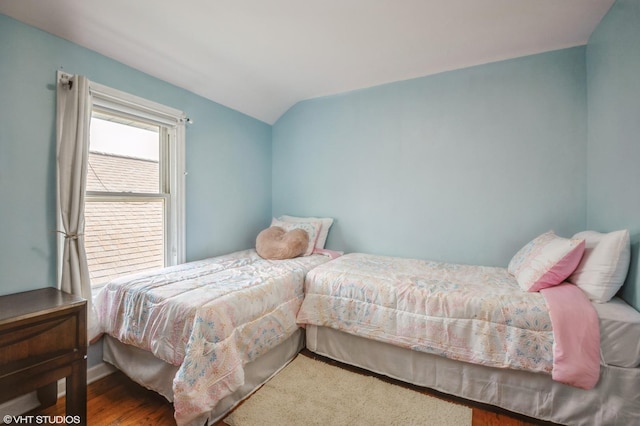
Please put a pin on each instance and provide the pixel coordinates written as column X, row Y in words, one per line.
column 72, row 123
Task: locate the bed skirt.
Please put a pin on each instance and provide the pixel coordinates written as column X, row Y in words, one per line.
column 614, row 401
column 152, row 373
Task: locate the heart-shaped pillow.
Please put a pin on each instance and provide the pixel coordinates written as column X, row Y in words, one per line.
column 276, row 243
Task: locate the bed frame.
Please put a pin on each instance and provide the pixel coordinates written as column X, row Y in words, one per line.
column 614, row 401
column 151, row 372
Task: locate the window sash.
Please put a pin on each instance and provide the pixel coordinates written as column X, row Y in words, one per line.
column 168, row 157
column 97, row 196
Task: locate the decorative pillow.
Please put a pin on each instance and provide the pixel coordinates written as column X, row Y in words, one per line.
column 604, row 266
column 311, row 228
column 276, row 243
column 325, row 224
column 546, row 261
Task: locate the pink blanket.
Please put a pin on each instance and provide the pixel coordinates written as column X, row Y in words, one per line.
column 576, row 332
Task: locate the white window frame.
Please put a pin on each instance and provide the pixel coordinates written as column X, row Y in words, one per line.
column 107, row 99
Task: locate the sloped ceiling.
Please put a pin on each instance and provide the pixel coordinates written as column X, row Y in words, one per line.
column 261, row 57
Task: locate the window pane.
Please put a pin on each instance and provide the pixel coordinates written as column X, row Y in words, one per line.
column 123, row 237
column 123, row 156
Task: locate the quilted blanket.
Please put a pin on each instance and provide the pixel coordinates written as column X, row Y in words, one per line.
column 209, row 317
column 475, row 314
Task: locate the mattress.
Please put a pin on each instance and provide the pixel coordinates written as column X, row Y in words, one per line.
column 209, row 318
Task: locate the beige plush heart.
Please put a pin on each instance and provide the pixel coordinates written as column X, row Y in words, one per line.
column 276, row 243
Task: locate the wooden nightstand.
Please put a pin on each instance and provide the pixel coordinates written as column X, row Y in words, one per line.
column 43, row 338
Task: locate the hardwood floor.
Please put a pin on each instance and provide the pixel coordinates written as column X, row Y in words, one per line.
column 116, row 400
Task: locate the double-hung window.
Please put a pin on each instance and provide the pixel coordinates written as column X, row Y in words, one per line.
column 134, row 201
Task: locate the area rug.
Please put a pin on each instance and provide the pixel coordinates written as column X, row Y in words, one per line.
column 312, row 392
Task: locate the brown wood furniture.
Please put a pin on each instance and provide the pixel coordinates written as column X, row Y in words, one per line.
column 43, row 338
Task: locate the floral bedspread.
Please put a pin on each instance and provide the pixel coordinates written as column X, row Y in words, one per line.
column 468, row 313
column 209, row 317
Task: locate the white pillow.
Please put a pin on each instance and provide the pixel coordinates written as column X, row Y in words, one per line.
column 312, row 229
column 325, row 223
column 604, row 266
column 546, row 261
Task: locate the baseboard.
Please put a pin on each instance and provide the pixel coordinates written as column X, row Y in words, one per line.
column 19, row 405
column 94, row 373
column 28, row 402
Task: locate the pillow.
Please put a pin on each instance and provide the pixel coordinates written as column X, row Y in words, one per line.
column 546, row 261
column 276, row 243
column 325, row 223
column 604, row 266
column 311, row 228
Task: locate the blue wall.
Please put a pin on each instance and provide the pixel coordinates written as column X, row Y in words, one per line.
column 228, row 156
column 613, row 69
column 464, row 166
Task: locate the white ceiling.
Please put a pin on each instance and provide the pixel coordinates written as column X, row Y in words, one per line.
column 260, row 57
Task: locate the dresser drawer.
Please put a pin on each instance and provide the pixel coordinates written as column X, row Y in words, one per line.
column 33, row 342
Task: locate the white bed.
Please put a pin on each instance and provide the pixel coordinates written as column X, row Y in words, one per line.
column 205, row 334
column 349, row 318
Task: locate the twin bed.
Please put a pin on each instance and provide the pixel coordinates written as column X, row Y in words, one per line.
column 208, row 333
column 205, row 334
column 473, row 333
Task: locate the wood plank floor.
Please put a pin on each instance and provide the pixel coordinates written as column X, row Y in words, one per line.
column 116, row 400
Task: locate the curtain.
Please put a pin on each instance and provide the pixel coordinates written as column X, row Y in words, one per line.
column 73, row 116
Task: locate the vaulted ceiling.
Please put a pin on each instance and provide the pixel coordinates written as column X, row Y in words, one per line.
column 261, row 57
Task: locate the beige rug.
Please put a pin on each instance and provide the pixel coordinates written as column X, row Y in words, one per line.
column 310, row 392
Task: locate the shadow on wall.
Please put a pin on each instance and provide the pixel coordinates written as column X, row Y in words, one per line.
column 629, row 291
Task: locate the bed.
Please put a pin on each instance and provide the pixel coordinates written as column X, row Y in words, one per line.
column 472, row 332
column 205, row 334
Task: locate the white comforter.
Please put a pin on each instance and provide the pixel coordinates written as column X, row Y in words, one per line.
column 468, row 313
column 209, row 317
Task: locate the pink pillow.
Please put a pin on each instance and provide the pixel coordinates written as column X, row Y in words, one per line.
column 546, row 261
column 325, row 224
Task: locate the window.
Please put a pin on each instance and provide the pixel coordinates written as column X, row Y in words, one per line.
column 134, row 204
